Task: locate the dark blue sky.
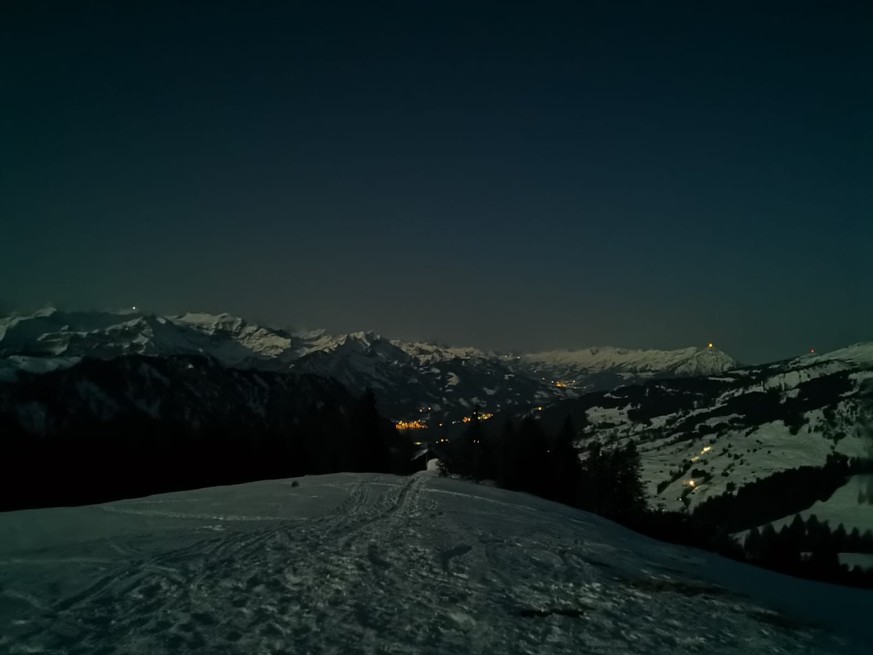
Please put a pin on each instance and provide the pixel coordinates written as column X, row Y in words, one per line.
column 509, row 176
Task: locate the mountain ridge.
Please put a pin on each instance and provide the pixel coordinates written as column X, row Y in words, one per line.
column 408, row 376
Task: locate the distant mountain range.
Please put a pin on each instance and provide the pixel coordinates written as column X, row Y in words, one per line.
column 743, row 446
column 413, row 381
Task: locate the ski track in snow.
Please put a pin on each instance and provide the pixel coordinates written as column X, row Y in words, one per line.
column 387, row 565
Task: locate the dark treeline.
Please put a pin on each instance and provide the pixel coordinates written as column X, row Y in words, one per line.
column 127, row 428
column 811, row 549
column 808, row 549
column 133, row 455
column 780, row 494
column 524, row 457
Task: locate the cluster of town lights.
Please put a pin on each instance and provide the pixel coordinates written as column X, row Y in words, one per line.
column 484, row 416
column 417, row 424
column 411, row 425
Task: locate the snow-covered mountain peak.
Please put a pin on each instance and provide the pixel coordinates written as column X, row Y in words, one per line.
column 211, row 322
column 859, row 353
column 232, row 331
column 575, row 368
column 45, row 312
column 704, row 361
column 428, row 353
column 364, row 338
column 361, row 341
column 645, row 360
column 309, row 335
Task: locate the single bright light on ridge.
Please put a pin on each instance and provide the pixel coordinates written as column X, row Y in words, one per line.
column 709, row 345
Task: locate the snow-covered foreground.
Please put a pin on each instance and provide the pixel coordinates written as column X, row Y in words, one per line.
column 377, row 564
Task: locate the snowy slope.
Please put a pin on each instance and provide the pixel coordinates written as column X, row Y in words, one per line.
column 850, row 506
column 375, row 564
column 712, row 437
column 859, row 353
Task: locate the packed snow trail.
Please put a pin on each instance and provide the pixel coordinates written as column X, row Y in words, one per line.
column 378, row 564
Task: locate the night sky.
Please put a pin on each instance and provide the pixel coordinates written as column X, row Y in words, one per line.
column 530, row 176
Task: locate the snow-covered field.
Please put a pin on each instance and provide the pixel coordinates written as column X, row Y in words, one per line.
column 378, row 564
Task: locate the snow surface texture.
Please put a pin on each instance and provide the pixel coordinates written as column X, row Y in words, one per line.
column 376, row 564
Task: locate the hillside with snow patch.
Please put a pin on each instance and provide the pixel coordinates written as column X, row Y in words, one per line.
column 799, row 429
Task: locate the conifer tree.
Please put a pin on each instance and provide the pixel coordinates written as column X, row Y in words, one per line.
column 369, row 451
column 752, row 544
column 631, row 495
column 565, row 465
